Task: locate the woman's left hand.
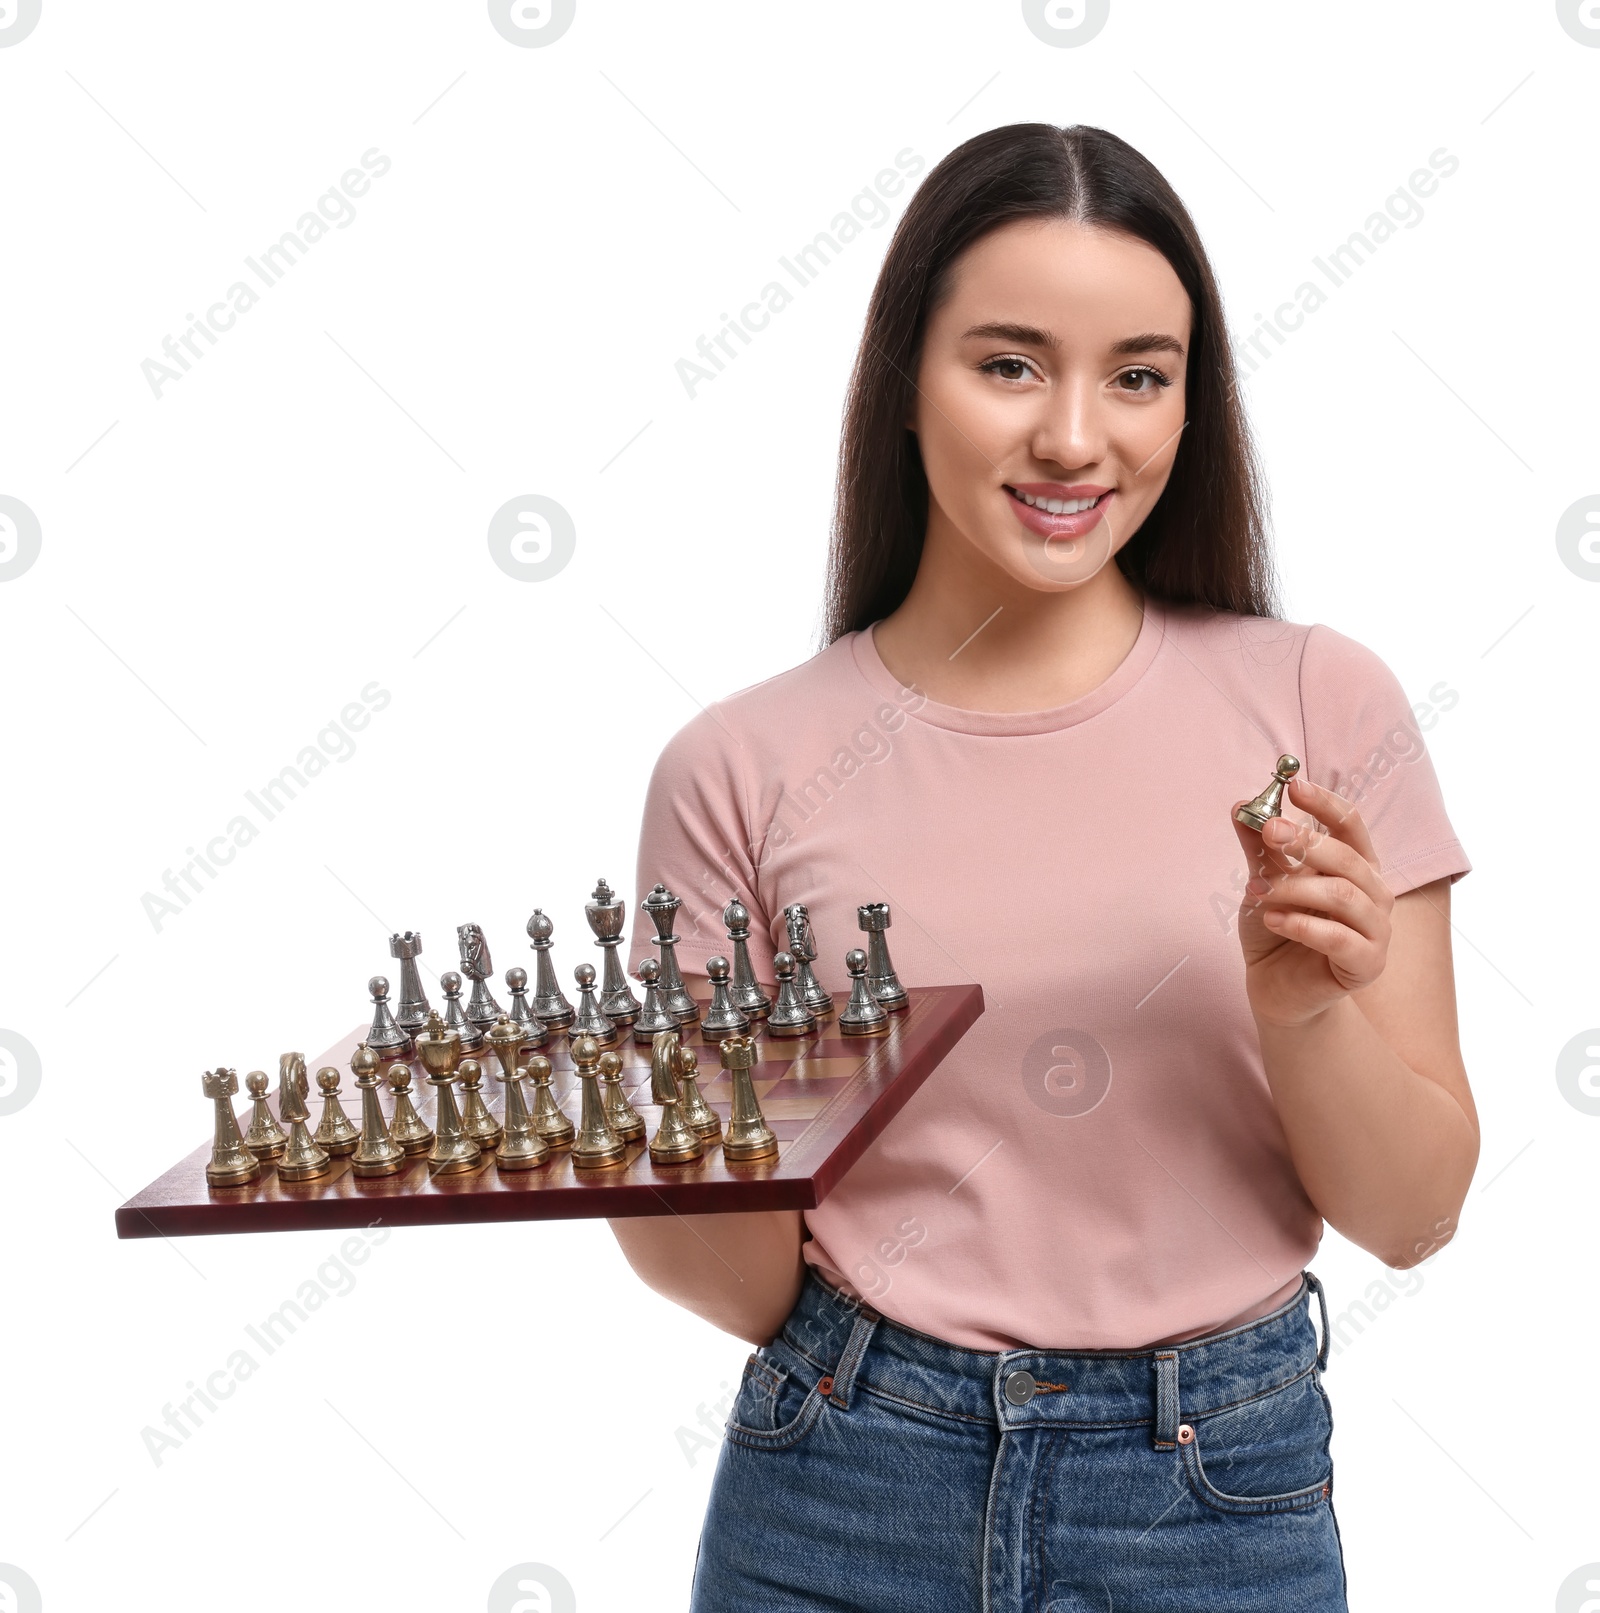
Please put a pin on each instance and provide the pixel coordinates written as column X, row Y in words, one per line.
column 1314, row 921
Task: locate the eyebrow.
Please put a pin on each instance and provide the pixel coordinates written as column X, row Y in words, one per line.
column 1150, row 341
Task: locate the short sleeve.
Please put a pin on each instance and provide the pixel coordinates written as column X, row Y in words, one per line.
column 694, row 839
column 1362, row 741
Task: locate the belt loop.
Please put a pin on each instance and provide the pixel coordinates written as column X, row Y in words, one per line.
column 843, row 1377
column 1166, row 1430
column 1322, row 1300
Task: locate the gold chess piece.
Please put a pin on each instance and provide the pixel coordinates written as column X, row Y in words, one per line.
column 453, row 1150
column 335, row 1130
column 476, row 1121
column 621, row 1115
column 1269, row 804
column 407, row 1127
column 302, row 1159
column 549, row 1118
column 675, row 1141
column 597, row 1145
column 376, row 1152
column 231, row 1163
column 521, row 1146
column 697, row 1113
column 265, row 1138
column 749, row 1136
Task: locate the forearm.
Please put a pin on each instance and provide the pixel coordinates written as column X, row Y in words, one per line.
column 741, row 1272
column 1385, row 1154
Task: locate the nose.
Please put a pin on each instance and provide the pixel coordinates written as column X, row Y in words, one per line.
column 1071, row 426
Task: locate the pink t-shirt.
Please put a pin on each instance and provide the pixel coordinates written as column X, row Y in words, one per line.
column 1098, row 1164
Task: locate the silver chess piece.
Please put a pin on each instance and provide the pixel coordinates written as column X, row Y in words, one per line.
column 662, row 906
column 653, row 1018
column 231, row 1163
column 522, row 1016
column 482, row 1010
column 1269, row 804
column 882, row 981
column 605, row 911
column 863, row 1015
column 789, row 1016
column 803, row 949
column 587, row 1020
column 386, row 1038
column 470, row 1037
column 554, row 1011
column 746, row 990
column 721, row 1018
column 413, row 1012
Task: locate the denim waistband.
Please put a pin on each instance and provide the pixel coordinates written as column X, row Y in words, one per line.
column 856, row 1347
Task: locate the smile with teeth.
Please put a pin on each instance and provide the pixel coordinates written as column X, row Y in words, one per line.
column 1056, row 506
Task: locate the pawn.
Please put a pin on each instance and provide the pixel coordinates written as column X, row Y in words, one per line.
column 455, row 1017
column 621, row 1115
column 721, row 1018
column 231, row 1163
column 588, row 1020
column 1269, row 804
column 746, row 990
column 335, row 1131
column 789, row 1016
column 676, row 1141
column 265, row 1139
column 597, row 1145
column 863, row 1015
column 653, row 1017
column 697, row 1113
column 386, row 1038
column 377, row 1153
column 476, row 1121
column 522, row 1016
column 549, row 1119
column 406, row 1126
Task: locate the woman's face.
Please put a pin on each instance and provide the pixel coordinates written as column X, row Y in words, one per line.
column 1052, row 375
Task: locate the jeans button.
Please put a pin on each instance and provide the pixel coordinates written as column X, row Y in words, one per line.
column 1019, row 1387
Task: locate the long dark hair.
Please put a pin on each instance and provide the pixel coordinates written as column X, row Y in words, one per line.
column 1205, row 541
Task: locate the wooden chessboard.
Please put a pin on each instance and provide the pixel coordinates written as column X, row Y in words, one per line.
column 826, row 1096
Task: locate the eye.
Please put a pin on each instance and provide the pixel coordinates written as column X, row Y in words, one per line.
column 1009, row 363
column 1158, row 379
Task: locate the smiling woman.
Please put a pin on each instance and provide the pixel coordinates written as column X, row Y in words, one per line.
column 1097, row 1380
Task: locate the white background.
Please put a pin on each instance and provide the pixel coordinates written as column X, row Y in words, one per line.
column 225, row 567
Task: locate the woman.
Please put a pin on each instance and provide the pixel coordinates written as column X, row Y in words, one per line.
column 1050, row 1343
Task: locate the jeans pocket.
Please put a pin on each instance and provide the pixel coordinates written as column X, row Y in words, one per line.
column 1268, row 1454
column 775, row 1408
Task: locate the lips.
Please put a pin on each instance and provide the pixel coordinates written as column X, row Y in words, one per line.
column 1046, row 525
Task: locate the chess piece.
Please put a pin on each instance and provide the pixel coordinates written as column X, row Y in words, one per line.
column 863, row 1015
column 749, row 1136
column 482, row 1010
column 597, row 1145
column 522, row 1016
column 882, row 981
column 406, row 1126
column 721, row 1018
column 521, row 1146
column 803, row 949
column 549, row 1119
column 376, row 1152
column 231, row 1163
column 676, row 1141
column 789, row 1016
column 476, row 1121
column 554, row 1011
column 413, row 1013
column 746, row 991
column 386, row 1038
column 587, row 1020
column 621, row 1116
column 697, row 1113
column 302, row 1159
column 662, row 906
column 1269, row 804
column 265, row 1138
column 605, row 911
column 335, row 1130
column 653, row 1018
column 453, row 1151
column 455, row 1018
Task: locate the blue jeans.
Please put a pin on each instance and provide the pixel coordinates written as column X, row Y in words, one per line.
column 870, row 1468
